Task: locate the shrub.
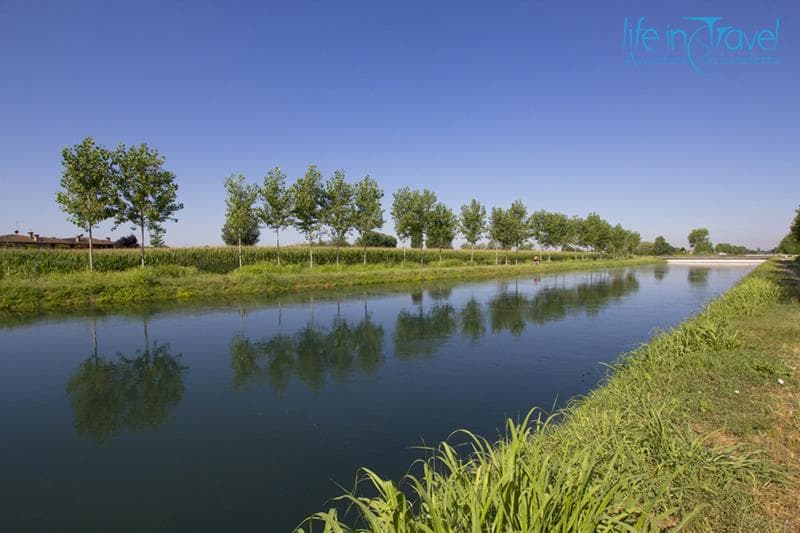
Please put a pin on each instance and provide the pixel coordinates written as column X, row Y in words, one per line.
column 129, row 241
column 377, row 240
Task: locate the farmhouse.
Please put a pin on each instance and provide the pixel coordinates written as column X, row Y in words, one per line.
column 34, row 240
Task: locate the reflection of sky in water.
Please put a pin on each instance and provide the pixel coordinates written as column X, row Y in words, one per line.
column 237, row 418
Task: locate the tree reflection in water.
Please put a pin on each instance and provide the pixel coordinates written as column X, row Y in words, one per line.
column 660, row 271
column 126, row 394
column 698, row 277
column 316, row 353
column 473, row 324
column 310, row 354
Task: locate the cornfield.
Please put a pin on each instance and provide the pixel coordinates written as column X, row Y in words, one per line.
column 33, row 263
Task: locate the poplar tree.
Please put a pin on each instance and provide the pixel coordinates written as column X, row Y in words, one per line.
column 500, row 230
column 551, row 230
column 338, row 211
column 308, row 195
column 595, row 233
column 472, row 224
column 240, row 211
column 368, row 212
column 157, row 236
column 517, row 220
column 442, row 228
column 146, row 194
column 411, row 211
column 796, row 226
column 276, row 210
column 87, row 182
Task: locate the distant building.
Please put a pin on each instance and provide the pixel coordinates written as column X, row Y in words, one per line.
column 34, row 240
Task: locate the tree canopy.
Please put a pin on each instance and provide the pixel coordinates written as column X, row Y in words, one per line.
column 146, row 193
column 442, row 228
column 662, row 247
column 87, row 192
column 411, row 211
column 472, row 224
column 337, row 210
column 368, row 212
column 277, row 205
column 309, row 197
column 240, row 212
column 795, row 228
column 699, row 241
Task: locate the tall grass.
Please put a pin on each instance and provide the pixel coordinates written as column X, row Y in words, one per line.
column 624, row 458
column 32, row 263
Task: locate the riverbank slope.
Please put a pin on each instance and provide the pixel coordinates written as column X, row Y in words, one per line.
column 171, row 283
column 696, row 429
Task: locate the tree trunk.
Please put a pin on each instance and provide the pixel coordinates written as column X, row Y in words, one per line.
column 91, row 251
column 278, row 239
column 496, row 255
column 311, row 253
column 240, row 252
column 365, row 253
column 337, row 254
column 404, row 254
column 472, row 253
column 440, row 255
column 94, row 339
column 141, row 244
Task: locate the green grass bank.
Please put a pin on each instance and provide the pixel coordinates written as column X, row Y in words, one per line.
column 171, row 282
column 696, row 430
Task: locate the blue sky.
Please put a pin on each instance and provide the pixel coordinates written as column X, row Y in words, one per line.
column 493, row 100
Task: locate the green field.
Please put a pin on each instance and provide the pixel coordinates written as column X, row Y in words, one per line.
column 38, row 281
column 695, row 430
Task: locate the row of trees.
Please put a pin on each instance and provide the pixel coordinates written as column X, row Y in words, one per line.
column 420, row 218
column 700, row 243
column 127, row 184
column 315, row 206
column 310, row 205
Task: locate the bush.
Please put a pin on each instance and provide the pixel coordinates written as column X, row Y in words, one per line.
column 129, row 241
column 377, row 240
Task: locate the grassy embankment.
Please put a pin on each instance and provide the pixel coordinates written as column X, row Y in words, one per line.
column 53, row 279
column 696, row 430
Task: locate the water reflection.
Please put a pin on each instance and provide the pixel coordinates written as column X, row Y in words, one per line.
column 139, row 391
column 512, row 310
column 660, row 271
column 473, row 324
column 421, row 332
column 316, row 352
column 129, row 393
column 698, row 277
column 309, row 354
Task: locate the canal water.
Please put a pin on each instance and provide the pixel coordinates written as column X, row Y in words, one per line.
column 250, row 417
